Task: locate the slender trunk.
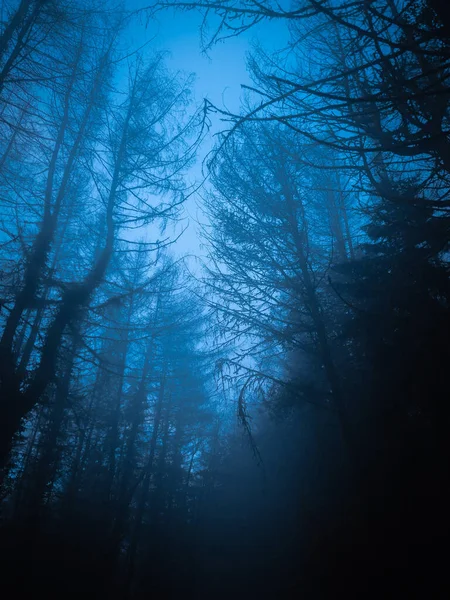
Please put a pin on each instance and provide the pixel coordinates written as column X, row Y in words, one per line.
column 34, row 332
column 188, row 475
column 13, row 25
column 348, row 233
column 19, row 26
column 315, row 310
column 71, row 491
column 25, row 462
column 83, row 448
column 20, row 44
column 135, row 536
column 336, row 226
column 17, row 405
column 9, row 380
column 10, row 145
column 48, row 461
column 114, row 435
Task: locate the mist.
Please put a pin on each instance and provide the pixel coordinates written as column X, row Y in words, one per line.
column 224, row 298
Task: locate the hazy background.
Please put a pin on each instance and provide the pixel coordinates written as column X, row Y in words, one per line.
column 219, row 75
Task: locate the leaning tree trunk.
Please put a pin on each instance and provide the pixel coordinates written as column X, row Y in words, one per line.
column 16, row 404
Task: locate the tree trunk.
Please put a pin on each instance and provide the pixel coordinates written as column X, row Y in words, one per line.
column 135, row 536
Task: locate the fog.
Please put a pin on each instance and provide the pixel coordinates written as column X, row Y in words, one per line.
column 224, row 298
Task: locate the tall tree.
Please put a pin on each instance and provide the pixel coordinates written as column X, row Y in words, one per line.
column 142, row 154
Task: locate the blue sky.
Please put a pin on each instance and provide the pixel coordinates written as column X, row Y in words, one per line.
column 219, row 76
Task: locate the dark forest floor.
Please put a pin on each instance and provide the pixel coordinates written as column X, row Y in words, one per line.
column 394, row 545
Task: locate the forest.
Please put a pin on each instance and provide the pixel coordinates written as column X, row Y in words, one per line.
column 261, row 412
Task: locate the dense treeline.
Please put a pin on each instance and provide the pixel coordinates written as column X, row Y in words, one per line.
column 104, row 411
column 274, row 423
column 330, row 244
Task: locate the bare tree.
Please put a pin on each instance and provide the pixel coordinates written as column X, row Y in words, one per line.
column 143, row 155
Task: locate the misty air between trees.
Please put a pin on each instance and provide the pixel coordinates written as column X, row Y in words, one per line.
column 224, row 328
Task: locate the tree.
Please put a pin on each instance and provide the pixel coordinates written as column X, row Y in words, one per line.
column 137, row 160
column 368, row 82
column 270, row 257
